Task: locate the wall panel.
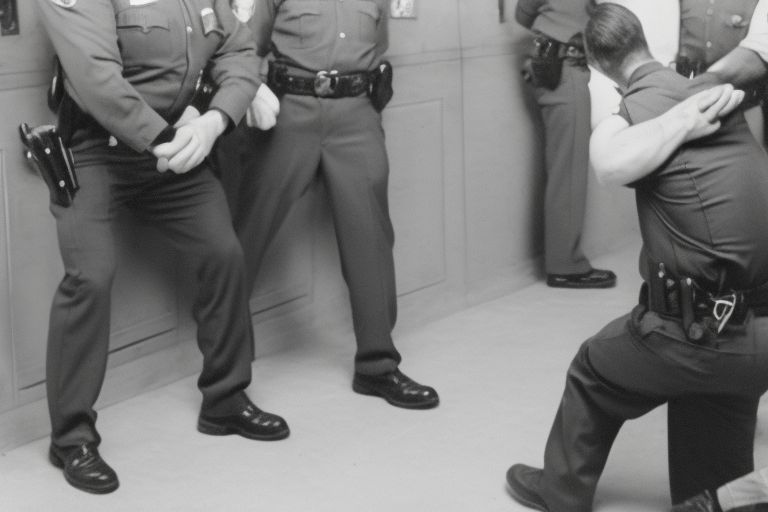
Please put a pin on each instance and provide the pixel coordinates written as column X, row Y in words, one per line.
column 465, row 197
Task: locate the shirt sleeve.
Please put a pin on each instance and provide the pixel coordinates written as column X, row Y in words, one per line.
column 757, row 36
column 624, row 112
column 527, row 11
column 84, row 37
column 261, row 25
column 382, row 35
column 234, row 67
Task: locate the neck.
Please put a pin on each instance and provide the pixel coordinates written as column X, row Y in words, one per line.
column 631, row 65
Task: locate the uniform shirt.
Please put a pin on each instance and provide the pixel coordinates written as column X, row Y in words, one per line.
column 132, row 64
column 704, row 213
column 757, row 36
column 711, row 28
column 557, row 19
column 316, row 35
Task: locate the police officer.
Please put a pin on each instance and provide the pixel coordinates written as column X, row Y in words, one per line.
column 698, row 339
column 743, row 66
column 709, row 29
column 559, row 75
column 323, row 57
column 747, row 63
column 131, row 68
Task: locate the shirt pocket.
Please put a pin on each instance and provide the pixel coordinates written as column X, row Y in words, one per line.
column 368, row 14
column 143, row 35
column 298, row 24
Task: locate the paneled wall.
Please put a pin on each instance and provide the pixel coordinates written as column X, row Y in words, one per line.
column 465, row 195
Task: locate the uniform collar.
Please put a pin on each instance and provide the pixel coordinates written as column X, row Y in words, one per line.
column 643, row 71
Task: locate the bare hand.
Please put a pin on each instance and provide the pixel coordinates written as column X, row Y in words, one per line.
column 704, row 110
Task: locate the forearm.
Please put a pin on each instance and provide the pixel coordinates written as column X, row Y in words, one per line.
column 740, row 67
column 622, row 156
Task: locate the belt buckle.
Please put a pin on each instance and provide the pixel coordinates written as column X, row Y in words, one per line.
column 325, row 83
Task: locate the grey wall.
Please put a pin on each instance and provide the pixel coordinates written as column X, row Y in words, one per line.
column 466, row 192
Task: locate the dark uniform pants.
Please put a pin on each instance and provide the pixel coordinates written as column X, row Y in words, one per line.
column 192, row 211
column 342, row 140
column 637, row 363
column 566, row 116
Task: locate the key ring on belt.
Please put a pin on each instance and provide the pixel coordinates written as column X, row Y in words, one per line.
column 723, row 308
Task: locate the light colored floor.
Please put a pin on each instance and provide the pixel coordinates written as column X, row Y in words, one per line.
column 499, row 368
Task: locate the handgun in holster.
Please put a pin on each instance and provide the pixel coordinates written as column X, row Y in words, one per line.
column 380, row 87
column 46, row 150
column 205, row 90
column 675, row 297
column 688, row 67
column 544, row 67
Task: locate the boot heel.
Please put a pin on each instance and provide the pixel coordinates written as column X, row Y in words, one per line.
column 55, row 459
column 205, row 427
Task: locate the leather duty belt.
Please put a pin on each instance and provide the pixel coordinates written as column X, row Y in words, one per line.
column 325, row 84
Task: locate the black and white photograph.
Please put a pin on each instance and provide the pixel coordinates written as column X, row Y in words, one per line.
column 384, row 255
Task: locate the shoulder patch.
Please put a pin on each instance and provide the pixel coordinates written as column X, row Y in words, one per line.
column 65, row 3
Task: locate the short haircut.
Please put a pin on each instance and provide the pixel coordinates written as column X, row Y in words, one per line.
column 613, row 33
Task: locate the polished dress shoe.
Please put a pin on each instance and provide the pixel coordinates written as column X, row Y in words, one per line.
column 524, row 486
column 250, row 422
column 703, row 502
column 397, row 389
column 84, row 468
column 595, row 278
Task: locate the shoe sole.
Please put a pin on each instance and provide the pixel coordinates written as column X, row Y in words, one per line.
column 566, row 284
column 212, row 429
column 57, row 462
column 364, row 390
column 523, row 498
column 525, row 502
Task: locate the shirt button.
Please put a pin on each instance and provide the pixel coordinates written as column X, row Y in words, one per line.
column 342, row 35
column 189, row 29
column 710, row 11
column 709, row 44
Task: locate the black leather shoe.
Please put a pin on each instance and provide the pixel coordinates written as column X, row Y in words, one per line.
column 595, row 278
column 397, row 389
column 250, row 422
column 704, row 502
column 85, row 469
column 524, row 486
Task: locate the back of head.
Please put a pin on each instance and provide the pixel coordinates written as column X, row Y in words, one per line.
column 614, row 38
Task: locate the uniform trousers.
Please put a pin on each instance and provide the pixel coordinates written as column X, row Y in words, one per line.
column 191, row 211
column 341, row 141
column 565, row 114
column 641, row 361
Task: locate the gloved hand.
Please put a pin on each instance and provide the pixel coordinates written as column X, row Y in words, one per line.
column 192, row 142
column 265, row 107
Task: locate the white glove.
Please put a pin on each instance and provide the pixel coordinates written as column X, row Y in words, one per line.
column 265, row 107
column 191, row 144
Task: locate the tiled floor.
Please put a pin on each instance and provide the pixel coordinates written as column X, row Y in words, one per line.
column 499, row 368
